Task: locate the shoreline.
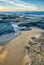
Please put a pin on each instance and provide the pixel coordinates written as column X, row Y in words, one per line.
column 8, row 37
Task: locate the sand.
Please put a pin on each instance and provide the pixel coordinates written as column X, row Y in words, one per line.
column 14, row 53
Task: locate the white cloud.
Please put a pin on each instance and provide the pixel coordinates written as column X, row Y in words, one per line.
column 21, row 4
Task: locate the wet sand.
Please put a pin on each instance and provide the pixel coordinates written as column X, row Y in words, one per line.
column 14, row 53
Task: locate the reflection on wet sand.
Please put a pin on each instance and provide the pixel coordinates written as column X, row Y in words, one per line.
column 3, row 55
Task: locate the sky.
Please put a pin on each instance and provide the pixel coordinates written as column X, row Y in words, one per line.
column 21, row 5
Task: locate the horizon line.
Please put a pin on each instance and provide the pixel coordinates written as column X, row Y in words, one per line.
column 21, row 11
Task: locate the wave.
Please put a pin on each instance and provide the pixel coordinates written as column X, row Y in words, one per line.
column 7, row 27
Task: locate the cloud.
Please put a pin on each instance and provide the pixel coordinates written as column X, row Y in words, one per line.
column 4, row 8
column 19, row 4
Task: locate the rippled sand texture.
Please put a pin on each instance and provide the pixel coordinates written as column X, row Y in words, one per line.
column 14, row 53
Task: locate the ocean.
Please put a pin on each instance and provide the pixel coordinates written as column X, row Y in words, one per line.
column 7, row 27
column 31, row 13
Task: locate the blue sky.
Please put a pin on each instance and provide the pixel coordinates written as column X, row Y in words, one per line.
column 25, row 5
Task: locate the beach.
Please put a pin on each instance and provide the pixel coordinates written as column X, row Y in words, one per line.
column 14, row 52
column 21, row 32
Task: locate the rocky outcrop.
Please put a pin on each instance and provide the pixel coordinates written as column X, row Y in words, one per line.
column 35, row 49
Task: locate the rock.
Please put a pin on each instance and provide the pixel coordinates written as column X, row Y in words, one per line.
column 35, row 48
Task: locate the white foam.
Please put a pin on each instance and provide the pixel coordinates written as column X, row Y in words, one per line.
column 15, row 26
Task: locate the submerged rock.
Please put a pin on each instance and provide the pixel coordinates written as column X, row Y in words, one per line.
column 35, row 48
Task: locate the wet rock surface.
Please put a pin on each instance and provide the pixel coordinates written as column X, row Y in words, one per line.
column 35, row 49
